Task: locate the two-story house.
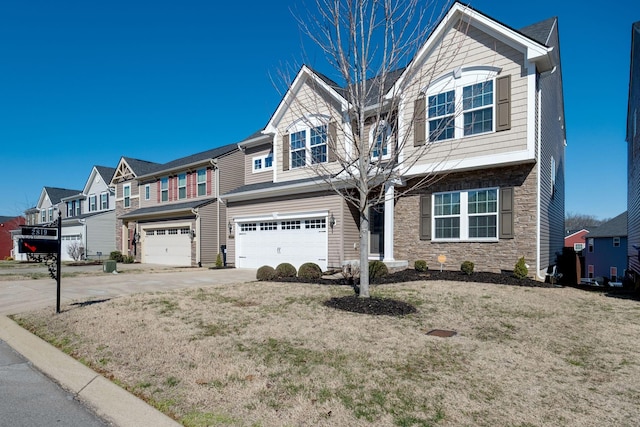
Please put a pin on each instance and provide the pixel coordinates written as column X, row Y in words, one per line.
column 171, row 213
column 8, row 226
column 606, row 252
column 492, row 116
column 633, row 157
column 89, row 217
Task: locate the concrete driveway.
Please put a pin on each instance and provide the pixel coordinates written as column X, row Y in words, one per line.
column 18, row 296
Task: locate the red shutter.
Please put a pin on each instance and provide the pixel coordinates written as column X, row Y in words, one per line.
column 158, row 185
column 208, row 182
column 188, row 186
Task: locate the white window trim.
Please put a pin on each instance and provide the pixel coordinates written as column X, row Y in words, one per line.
column 184, row 186
column 456, row 80
column 104, row 193
column 306, row 123
column 124, row 197
column 464, row 217
column 162, row 190
column 198, row 182
column 95, row 199
column 372, row 134
column 262, row 159
column 147, row 191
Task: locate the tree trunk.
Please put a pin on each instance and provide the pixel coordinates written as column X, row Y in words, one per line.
column 364, row 254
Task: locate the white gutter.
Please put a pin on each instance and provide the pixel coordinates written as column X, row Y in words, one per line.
column 539, row 201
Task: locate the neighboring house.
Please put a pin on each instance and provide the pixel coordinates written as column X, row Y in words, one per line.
column 7, row 225
column 516, row 165
column 633, row 156
column 89, row 218
column 170, row 213
column 606, row 251
column 50, row 206
column 576, row 239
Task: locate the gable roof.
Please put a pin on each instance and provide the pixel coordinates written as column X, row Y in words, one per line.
column 616, row 227
column 105, row 172
column 190, row 160
column 57, row 194
column 140, row 167
column 540, row 31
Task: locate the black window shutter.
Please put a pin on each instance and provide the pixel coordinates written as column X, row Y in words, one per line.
column 503, row 103
column 506, row 213
column 285, row 152
column 425, row 217
column 332, row 144
column 420, row 122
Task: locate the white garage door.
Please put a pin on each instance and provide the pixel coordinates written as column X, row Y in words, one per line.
column 168, row 246
column 296, row 241
column 70, row 243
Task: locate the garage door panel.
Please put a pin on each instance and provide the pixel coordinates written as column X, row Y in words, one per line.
column 292, row 241
column 167, row 246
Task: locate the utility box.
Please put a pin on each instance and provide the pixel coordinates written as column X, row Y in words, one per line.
column 109, row 266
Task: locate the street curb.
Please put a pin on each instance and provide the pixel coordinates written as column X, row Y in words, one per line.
column 108, row 400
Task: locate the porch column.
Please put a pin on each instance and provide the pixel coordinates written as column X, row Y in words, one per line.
column 388, row 221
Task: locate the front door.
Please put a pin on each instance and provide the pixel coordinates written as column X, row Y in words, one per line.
column 376, row 230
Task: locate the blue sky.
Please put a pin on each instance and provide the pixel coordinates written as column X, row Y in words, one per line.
column 85, row 82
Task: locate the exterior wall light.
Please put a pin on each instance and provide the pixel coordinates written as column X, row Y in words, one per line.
column 230, row 225
column 332, row 221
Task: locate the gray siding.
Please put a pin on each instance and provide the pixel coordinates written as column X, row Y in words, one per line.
column 552, row 140
column 249, row 155
column 633, row 147
column 231, row 171
column 209, row 232
column 100, row 234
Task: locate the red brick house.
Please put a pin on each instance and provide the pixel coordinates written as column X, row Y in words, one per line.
column 7, row 224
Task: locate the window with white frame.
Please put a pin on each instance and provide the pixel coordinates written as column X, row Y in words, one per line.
column 308, row 135
column 78, row 207
column 164, row 189
column 202, row 182
column 126, row 191
column 92, row 203
column 578, row 247
column 70, row 209
column 590, row 243
column 104, row 201
column 616, row 242
column 466, row 215
column 182, row 186
column 51, row 214
column 613, row 274
column 43, row 216
column 147, row 191
column 263, row 163
column 379, row 139
column 461, row 103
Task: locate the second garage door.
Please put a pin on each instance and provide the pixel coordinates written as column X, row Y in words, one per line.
column 167, row 246
column 296, row 241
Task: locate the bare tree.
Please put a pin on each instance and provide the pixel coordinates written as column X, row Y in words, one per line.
column 575, row 221
column 369, row 44
column 75, row 250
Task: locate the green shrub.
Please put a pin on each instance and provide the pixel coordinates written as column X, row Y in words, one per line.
column 128, row 259
column 467, row 267
column 116, row 256
column 420, row 265
column 310, row 270
column 219, row 261
column 266, row 272
column 377, row 269
column 520, row 270
column 286, row 270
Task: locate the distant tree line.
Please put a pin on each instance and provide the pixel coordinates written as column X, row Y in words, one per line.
column 575, row 221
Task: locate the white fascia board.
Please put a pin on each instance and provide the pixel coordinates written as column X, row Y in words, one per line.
column 274, row 216
column 300, row 188
column 480, row 162
column 258, row 140
column 303, row 74
column 87, row 185
column 533, row 51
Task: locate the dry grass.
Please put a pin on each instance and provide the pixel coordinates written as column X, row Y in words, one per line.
column 271, row 354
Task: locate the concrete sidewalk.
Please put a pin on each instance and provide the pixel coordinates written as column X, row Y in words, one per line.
column 106, row 399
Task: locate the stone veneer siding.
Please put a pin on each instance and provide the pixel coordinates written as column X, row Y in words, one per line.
column 487, row 256
column 120, row 210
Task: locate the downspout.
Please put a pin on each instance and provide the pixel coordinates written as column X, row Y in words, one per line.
column 214, row 163
column 197, row 235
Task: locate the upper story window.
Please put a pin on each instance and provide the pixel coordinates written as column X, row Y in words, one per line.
column 126, row 191
column 380, row 138
column 104, row 201
column 51, row 214
column 78, row 207
column 308, row 142
column 616, row 242
column 202, row 182
column 70, row 209
column 182, row 186
column 466, row 215
column 147, row 191
column 164, row 189
column 463, row 103
column 590, row 243
column 92, row 203
column 43, row 215
column 262, row 163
